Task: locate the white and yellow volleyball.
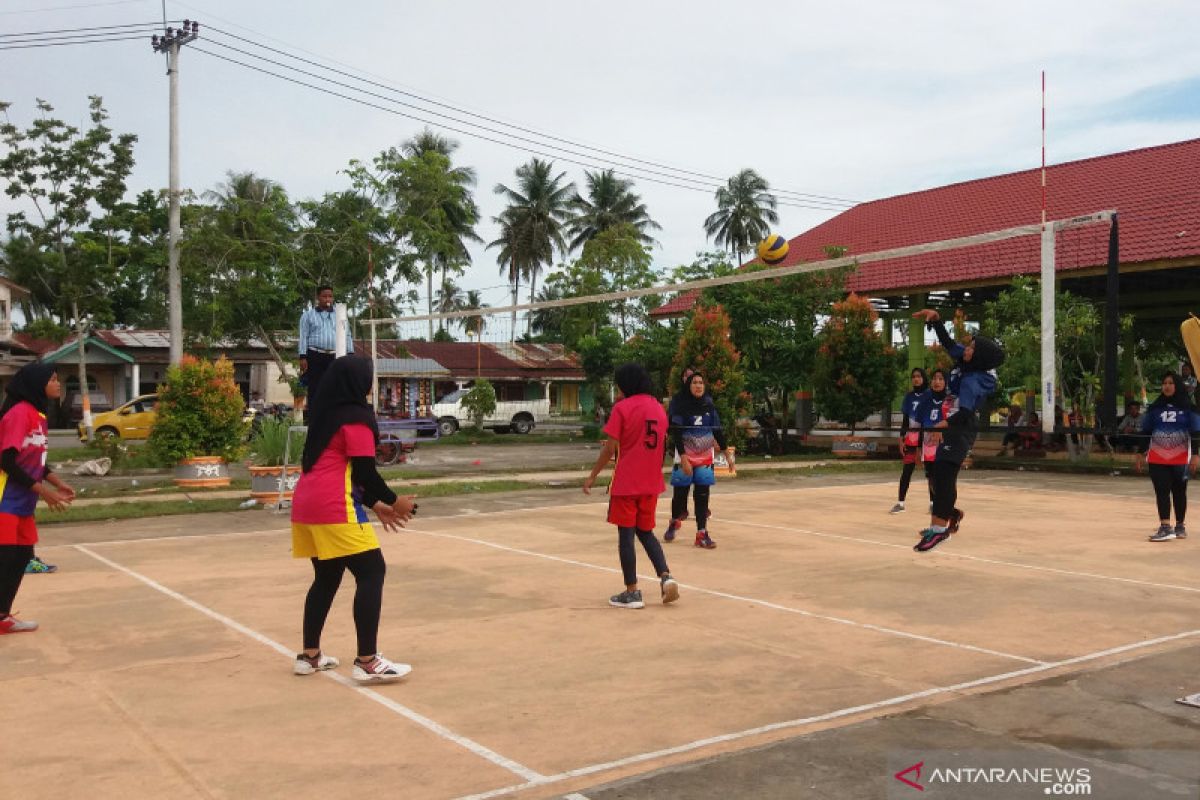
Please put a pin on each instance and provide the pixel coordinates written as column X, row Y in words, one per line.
column 773, row 249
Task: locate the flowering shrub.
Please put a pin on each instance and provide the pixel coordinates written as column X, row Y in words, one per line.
column 200, row 412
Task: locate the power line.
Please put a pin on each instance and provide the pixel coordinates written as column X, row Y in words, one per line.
column 87, row 29
column 95, row 40
column 706, row 177
column 368, row 103
column 642, row 171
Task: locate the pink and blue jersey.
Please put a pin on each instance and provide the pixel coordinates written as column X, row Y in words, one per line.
column 23, row 428
column 324, row 495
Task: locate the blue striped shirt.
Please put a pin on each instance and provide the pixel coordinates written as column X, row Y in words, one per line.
column 318, row 331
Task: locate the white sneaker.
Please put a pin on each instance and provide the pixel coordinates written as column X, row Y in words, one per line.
column 670, row 590
column 11, row 624
column 897, row 509
column 307, row 665
column 379, row 670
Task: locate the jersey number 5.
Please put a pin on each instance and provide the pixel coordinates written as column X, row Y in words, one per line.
column 651, row 440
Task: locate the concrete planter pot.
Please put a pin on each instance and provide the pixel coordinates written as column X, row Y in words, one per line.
column 265, row 482
column 202, row 472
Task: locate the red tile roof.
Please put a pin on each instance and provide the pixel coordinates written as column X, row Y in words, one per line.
column 493, row 360
column 1155, row 190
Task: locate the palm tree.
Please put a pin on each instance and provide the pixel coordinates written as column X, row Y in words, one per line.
column 448, row 207
column 745, row 206
column 610, row 201
column 513, row 259
column 537, row 213
column 449, row 298
column 474, row 324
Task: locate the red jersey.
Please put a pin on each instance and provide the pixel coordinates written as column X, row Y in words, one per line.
column 23, row 428
column 324, row 495
column 639, row 424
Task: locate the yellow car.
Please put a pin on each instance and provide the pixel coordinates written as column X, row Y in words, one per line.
column 130, row 421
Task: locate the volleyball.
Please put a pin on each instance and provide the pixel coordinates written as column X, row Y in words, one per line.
column 773, row 249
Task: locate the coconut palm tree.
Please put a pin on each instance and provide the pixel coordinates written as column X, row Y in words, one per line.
column 610, row 201
column 745, row 211
column 538, row 211
column 514, row 260
column 475, row 323
column 444, row 205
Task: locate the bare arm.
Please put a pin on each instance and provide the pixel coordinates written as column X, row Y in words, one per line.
column 607, row 451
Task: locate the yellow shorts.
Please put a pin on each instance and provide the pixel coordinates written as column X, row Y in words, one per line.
column 332, row 541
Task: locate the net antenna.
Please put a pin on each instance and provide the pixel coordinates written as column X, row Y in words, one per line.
column 1048, row 232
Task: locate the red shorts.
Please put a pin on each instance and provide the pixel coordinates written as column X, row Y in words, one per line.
column 17, row 530
column 633, row 511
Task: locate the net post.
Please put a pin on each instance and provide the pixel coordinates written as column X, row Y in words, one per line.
column 1112, row 325
column 1048, row 343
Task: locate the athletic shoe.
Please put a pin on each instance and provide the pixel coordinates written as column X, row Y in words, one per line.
column 897, row 509
column 930, row 539
column 956, row 517
column 628, row 599
column 704, row 540
column 1180, row 531
column 1165, row 533
column 379, row 670
column 670, row 589
column 11, row 624
column 307, row 665
column 673, row 526
column 37, row 566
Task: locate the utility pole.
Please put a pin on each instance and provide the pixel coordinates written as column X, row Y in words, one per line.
column 169, row 43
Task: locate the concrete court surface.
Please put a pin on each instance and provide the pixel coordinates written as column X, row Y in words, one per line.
column 811, row 654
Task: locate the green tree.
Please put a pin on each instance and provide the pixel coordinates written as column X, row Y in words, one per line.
column 572, row 323
column 610, row 201
column 705, row 345
column 474, row 324
column 745, row 212
column 479, row 402
column 74, row 180
column 624, row 262
column 773, row 325
column 654, row 347
column 536, row 215
column 855, row 371
column 598, row 357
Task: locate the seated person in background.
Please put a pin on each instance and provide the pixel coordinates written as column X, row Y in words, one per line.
column 1011, row 437
column 1130, row 427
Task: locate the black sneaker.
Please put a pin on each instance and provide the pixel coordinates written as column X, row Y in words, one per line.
column 956, row 517
column 1180, row 531
column 931, row 539
column 627, row 599
column 1165, row 533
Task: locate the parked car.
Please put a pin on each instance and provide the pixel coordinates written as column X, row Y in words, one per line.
column 133, row 420
column 130, row 421
column 519, row 416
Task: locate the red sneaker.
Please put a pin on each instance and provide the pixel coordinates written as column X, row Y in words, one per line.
column 704, row 540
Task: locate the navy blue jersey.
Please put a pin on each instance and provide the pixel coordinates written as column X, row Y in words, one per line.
column 1171, row 427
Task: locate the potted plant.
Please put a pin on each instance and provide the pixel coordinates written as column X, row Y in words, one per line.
column 299, row 393
column 199, row 426
column 268, row 476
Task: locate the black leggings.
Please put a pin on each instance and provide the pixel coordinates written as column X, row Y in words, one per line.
column 1170, row 483
column 13, row 558
column 944, row 484
column 629, row 556
column 679, row 504
column 905, row 478
column 368, row 570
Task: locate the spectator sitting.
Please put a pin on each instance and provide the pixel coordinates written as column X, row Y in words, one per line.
column 1011, row 436
column 1130, row 427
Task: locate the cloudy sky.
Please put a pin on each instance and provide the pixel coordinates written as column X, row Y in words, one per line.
column 854, row 100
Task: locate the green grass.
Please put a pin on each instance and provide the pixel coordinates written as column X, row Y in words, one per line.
column 136, row 510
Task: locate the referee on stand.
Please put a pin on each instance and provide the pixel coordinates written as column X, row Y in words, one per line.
column 318, row 341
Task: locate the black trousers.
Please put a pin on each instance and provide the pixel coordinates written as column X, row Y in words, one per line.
column 318, row 363
column 628, row 556
column 945, row 487
column 369, row 570
column 1170, row 484
column 679, row 497
column 13, row 558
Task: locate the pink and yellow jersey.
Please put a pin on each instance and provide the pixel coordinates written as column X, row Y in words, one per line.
column 324, row 495
column 23, row 428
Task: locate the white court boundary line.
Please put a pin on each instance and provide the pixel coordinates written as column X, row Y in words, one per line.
column 434, row 727
column 842, row 712
column 942, row 553
column 728, row 596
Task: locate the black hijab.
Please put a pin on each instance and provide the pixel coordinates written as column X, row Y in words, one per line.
column 1179, row 399
column 341, row 399
column 939, row 396
column 29, row 384
column 924, row 380
column 988, row 355
column 633, row 379
column 686, row 403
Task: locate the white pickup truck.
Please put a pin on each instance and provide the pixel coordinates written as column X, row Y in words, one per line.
column 519, row 416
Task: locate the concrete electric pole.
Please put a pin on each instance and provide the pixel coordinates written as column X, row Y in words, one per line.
column 169, row 43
